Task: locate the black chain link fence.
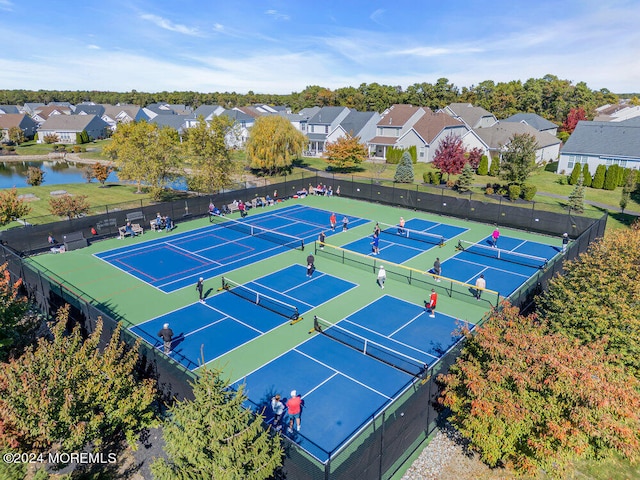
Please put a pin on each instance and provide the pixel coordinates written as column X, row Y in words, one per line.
column 390, row 437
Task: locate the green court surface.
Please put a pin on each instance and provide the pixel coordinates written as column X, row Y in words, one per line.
column 134, row 301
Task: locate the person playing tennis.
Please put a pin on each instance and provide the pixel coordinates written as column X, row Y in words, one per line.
column 430, row 306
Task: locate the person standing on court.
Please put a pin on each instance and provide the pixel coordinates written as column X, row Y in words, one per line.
column 565, row 242
column 437, row 269
column 401, row 226
column 382, row 276
column 321, row 238
column 200, row 289
column 310, row 265
column 431, row 304
column 481, row 284
column 167, row 336
column 345, row 223
column 375, row 244
column 278, row 409
column 294, row 407
column 495, row 236
column 333, row 221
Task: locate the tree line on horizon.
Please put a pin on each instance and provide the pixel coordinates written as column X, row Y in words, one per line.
column 549, row 97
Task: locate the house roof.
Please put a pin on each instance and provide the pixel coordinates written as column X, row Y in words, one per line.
column 309, row 112
column 4, row 109
column 397, row 115
column 47, row 110
column 431, row 124
column 251, row 111
column 533, row 119
column 205, row 110
column 500, row 134
column 326, row 115
column 114, row 110
column 605, row 138
column 89, row 109
column 356, row 121
column 9, row 120
column 238, row 116
column 68, row 122
column 383, row 140
column 176, row 122
column 468, row 113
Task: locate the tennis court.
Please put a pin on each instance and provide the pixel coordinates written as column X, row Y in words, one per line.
column 350, row 370
column 238, row 314
column 175, row 261
column 401, row 244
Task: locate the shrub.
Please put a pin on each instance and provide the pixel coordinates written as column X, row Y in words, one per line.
column 528, row 191
column 514, row 192
column 436, row 177
column 413, row 151
column 35, row 176
column 586, row 175
column 611, row 178
column 494, row 170
column 598, row 178
column 483, row 167
column 451, row 183
column 488, row 191
column 563, row 180
column 575, row 174
column 426, row 177
column 76, row 149
column 502, row 190
column 394, row 155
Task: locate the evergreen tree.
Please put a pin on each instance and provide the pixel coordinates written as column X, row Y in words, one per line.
column 494, row 170
column 586, row 175
column 519, row 158
column 214, row 436
column 404, row 170
column 575, row 174
column 576, row 198
column 627, row 189
column 611, row 178
column 466, row 178
column 598, row 178
column 483, row 166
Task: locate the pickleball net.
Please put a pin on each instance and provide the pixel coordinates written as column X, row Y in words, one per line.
column 265, row 301
column 417, row 235
column 280, row 238
column 373, row 349
column 501, row 254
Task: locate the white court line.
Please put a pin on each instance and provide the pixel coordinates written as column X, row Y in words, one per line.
column 493, row 268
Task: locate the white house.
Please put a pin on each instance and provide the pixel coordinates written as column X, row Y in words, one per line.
column 536, row 121
column 429, row 131
column 357, row 124
column 65, row 127
column 395, row 121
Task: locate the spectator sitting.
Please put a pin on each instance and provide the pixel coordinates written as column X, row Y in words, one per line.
column 329, row 191
column 94, row 231
column 302, row 193
column 60, row 249
column 159, row 222
column 319, row 189
column 129, row 229
column 225, row 210
column 259, row 202
column 216, row 210
column 269, row 200
column 51, row 240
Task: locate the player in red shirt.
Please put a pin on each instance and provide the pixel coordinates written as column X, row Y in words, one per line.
column 294, row 407
column 431, row 304
column 333, row 221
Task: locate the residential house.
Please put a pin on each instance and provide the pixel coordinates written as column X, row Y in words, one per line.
column 4, row 109
column 536, row 121
column 115, row 114
column 394, row 122
column 21, row 120
column 154, row 109
column 89, row 109
column 41, row 114
column 297, row 120
column 357, row 124
column 602, row 143
column 620, row 114
column 65, row 127
column 242, row 124
column 30, row 107
column 208, row 111
column 178, row 122
column 325, row 121
column 429, row 131
column 493, row 140
column 473, row 117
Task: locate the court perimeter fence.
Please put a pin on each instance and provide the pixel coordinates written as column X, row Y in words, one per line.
column 390, row 437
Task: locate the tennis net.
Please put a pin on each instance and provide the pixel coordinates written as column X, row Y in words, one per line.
column 426, row 237
column 258, row 232
column 260, row 299
column 506, row 255
column 375, row 350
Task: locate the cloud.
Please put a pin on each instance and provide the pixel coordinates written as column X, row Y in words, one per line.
column 6, row 5
column 375, row 16
column 277, row 15
column 169, row 25
column 93, row 47
column 436, row 51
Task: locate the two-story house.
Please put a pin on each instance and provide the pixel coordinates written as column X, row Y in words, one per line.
column 472, row 117
column 325, row 121
column 394, row 122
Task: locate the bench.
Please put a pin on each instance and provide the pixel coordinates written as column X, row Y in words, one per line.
column 73, row 241
column 259, row 202
column 133, row 216
column 107, row 224
column 233, row 208
column 137, row 230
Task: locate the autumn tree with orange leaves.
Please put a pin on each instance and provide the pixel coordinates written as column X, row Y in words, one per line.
column 345, row 153
column 531, row 398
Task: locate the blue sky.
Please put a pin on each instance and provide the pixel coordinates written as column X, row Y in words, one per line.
column 282, row 46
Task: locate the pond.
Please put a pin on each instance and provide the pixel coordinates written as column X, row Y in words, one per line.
column 56, row 172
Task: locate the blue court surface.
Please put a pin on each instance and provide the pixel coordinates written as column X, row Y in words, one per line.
column 503, row 269
column 175, row 261
column 227, row 320
column 399, row 246
column 341, row 387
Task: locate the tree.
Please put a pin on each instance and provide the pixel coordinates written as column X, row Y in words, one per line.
column 12, row 311
column 87, row 173
column 101, row 172
column 598, row 177
column 67, row 392
column 494, row 169
column 273, row 144
column 449, row 157
column 575, row 174
column 519, row 158
column 532, row 398
column 611, row 177
column 16, row 135
column 597, row 297
column 51, row 138
column 345, row 153
column 206, row 145
column 214, row 436
column 586, row 175
column 404, row 170
column 483, row 166
column 573, row 117
column 474, row 156
column 466, row 178
column 12, row 207
column 35, row 176
column 628, row 188
column 69, row 205
column 576, row 197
